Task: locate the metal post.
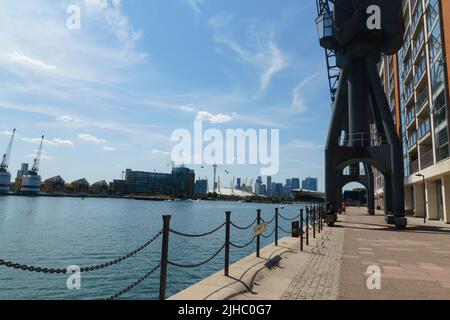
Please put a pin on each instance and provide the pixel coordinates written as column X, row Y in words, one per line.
column 318, row 219
column 227, row 242
column 258, row 237
column 301, row 229
column 276, row 226
column 164, row 257
column 307, row 226
column 313, row 211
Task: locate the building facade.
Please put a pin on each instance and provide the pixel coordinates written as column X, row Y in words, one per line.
column 416, row 84
column 201, row 187
column 179, row 183
column 310, row 184
column 55, row 185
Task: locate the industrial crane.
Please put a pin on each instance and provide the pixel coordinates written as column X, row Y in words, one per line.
column 355, row 35
column 324, row 10
column 5, row 176
column 35, row 169
column 5, row 161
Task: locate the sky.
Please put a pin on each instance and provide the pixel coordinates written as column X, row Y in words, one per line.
column 109, row 95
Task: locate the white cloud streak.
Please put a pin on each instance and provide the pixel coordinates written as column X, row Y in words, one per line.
column 90, row 138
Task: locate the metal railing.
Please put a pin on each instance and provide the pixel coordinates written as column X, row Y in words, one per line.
column 301, row 227
column 361, row 139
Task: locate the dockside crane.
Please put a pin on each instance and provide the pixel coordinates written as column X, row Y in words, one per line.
column 35, row 169
column 5, row 161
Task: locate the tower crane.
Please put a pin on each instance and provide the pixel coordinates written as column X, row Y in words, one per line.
column 35, row 169
column 5, row 160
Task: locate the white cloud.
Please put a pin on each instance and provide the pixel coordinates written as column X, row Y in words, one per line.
column 111, row 12
column 298, row 101
column 91, row 138
column 55, row 142
column 195, row 5
column 68, row 119
column 187, row 108
column 213, row 118
column 156, row 151
column 28, row 61
column 5, row 133
column 109, row 149
column 265, row 54
column 43, row 155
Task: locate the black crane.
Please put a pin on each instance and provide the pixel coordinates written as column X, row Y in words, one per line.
column 355, row 34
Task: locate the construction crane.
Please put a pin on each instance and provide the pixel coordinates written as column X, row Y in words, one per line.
column 35, row 169
column 325, row 9
column 5, row 160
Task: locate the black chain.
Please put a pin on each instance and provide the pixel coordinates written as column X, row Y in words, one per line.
column 242, row 246
column 271, row 234
column 134, row 284
column 269, row 222
column 283, row 230
column 288, row 219
column 190, row 266
column 244, row 228
column 197, row 235
column 24, row 267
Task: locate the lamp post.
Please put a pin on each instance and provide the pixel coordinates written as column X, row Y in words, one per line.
column 424, row 197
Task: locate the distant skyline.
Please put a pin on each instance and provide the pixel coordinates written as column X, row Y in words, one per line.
column 108, row 96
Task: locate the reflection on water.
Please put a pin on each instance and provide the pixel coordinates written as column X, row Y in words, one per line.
column 58, row 232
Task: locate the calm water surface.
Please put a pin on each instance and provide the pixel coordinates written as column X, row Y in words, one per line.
column 59, row 232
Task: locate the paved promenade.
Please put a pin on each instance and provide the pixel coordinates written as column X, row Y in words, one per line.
column 415, row 263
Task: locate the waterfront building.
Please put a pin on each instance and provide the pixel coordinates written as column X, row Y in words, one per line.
column 80, row 186
column 310, row 184
column 54, row 185
column 23, row 170
column 416, row 82
column 179, row 183
column 288, row 182
column 99, row 188
column 258, row 186
column 269, row 186
column 295, row 183
column 201, row 187
column 119, row 187
column 287, row 192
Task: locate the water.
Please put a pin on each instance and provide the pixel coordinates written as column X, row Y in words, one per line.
column 59, row 232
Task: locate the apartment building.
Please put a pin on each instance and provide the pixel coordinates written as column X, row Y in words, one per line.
column 417, row 86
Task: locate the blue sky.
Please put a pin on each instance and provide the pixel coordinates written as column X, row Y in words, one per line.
column 108, row 96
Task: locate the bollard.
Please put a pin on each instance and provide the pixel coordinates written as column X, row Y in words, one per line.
column 313, row 212
column 164, row 257
column 276, row 227
column 301, row 229
column 307, row 226
column 227, row 242
column 318, row 219
column 258, row 238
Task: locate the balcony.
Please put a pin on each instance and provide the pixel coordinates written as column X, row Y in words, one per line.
column 422, row 100
column 418, row 44
column 420, row 71
column 412, row 141
column 414, row 167
column 407, row 68
column 417, row 15
column 407, row 95
column 410, row 117
column 424, row 128
column 427, row 159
